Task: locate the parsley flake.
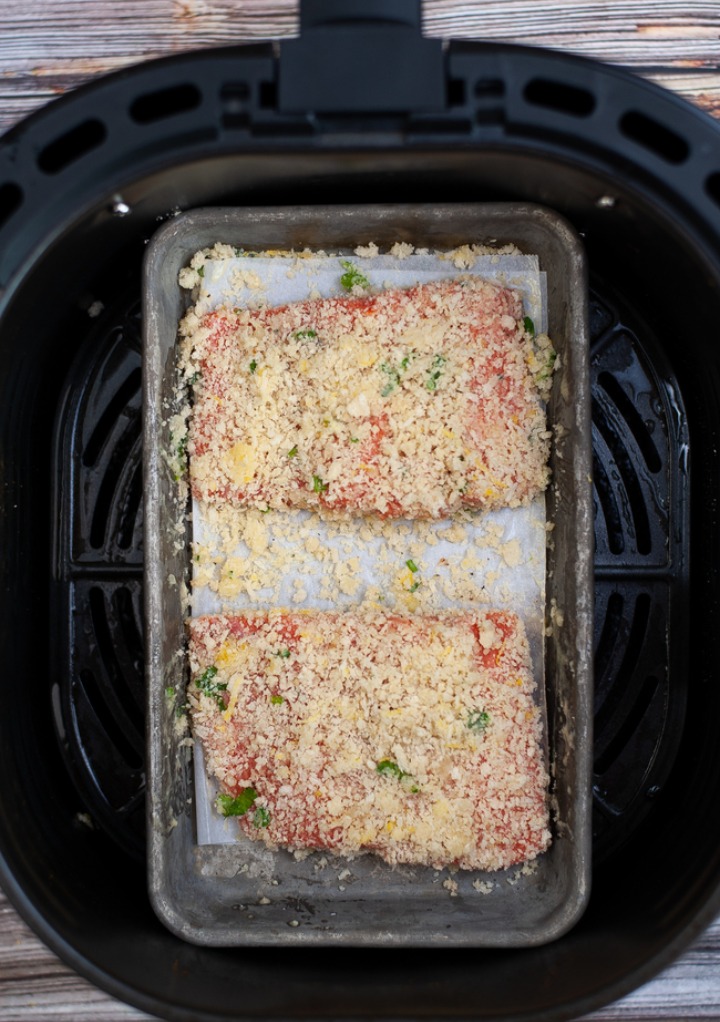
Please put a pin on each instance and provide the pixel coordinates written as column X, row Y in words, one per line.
column 318, row 485
column 549, row 367
column 182, row 446
column 211, row 688
column 261, row 817
column 292, row 452
column 300, row 334
column 478, row 720
column 276, row 700
column 253, row 366
column 238, row 805
column 435, row 372
column 389, row 769
column 393, row 378
column 412, row 566
column 352, row 276
column 529, row 325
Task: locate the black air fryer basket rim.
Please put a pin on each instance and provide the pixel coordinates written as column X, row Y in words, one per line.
column 41, row 196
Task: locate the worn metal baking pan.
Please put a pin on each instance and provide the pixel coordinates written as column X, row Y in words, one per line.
column 220, row 895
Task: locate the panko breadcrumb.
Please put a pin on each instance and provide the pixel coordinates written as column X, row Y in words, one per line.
column 416, row 738
column 409, row 403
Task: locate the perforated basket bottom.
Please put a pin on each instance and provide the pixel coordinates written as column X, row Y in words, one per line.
column 640, row 457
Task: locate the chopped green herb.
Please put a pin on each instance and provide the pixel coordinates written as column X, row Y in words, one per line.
column 414, row 587
column 393, row 378
column 265, row 510
column 354, row 439
column 412, row 566
column 390, row 769
column 194, row 378
column 352, row 276
column 478, row 720
column 201, row 271
column 435, row 372
column 261, row 817
column 529, row 325
column 170, row 691
column 292, row 452
column 548, row 370
column 276, row 700
column 318, row 485
column 253, row 366
column 300, row 334
column 393, row 374
column 182, row 446
column 239, row 252
column 284, row 653
column 211, row 688
column 237, row 806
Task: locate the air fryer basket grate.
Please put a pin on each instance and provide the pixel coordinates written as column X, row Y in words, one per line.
column 639, row 441
column 98, row 500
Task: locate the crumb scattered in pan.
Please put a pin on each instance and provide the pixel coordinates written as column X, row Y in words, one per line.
column 367, row 251
column 402, row 249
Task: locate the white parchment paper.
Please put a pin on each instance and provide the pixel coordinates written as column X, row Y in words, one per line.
column 478, row 561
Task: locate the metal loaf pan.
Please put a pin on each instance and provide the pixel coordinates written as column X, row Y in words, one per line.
column 225, row 895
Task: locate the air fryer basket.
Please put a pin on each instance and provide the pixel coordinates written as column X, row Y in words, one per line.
column 83, row 185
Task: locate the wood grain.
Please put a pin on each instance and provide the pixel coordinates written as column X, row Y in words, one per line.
column 48, row 47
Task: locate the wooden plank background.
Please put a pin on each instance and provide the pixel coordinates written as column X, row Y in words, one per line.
column 48, row 47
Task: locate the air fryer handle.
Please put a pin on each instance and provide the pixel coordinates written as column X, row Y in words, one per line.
column 314, row 13
column 361, row 56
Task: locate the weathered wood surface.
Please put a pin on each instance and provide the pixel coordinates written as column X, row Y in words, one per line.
column 48, row 47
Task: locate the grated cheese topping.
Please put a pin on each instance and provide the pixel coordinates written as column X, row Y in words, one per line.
column 409, row 403
column 416, row 738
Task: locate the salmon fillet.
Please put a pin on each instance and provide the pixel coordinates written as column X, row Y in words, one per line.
column 415, row 738
column 409, row 403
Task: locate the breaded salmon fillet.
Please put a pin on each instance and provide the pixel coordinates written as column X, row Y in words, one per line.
column 416, row 738
column 409, row 403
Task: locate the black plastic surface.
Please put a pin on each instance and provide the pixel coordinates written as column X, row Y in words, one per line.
column 366, row 57
column 519, row 125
